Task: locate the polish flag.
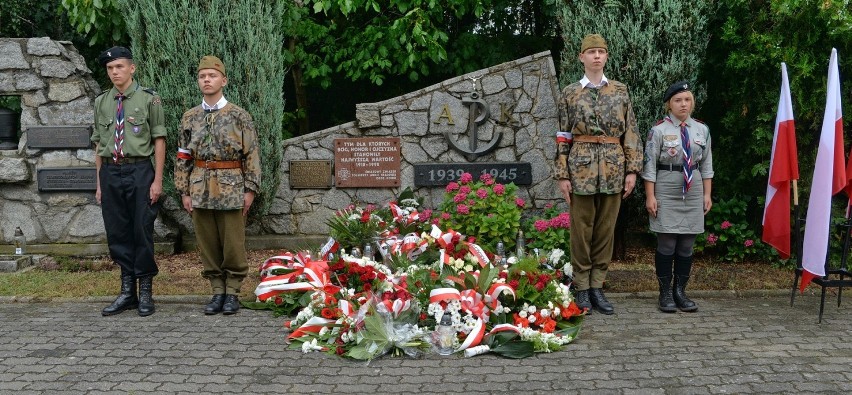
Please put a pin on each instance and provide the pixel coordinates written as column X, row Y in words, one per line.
column 783, row 168
column 829, row 179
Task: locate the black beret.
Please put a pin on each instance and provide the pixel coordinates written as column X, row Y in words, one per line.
column 677, row 87
column 113, row 54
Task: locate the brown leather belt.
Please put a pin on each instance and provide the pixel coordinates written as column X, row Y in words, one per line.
column 218, row 164
column 596, row 139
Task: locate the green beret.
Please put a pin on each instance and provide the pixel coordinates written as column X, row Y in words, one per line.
column 113, row 54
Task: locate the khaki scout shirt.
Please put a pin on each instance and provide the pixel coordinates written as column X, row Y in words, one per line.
column 219, row 135
column 665, row 146
column 143, row 121
column 606, row 111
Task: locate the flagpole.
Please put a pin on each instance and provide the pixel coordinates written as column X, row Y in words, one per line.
column 797, row 221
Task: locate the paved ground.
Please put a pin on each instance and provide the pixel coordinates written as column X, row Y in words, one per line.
column 750, row 344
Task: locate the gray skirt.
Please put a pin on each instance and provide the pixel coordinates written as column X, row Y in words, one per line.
column 676, row 213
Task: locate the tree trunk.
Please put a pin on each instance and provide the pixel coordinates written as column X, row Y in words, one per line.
column 301, row 94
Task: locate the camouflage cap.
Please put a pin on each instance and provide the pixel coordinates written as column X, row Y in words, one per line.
column 592, row 41
column 211, row 62
column 677, row 87
column 113, row 54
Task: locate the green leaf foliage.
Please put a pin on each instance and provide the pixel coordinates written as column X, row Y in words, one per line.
column 168, row 38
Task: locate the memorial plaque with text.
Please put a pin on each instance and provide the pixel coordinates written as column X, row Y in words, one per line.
column 67, row 179
column 367, row 162
column 58, row 137
column 437, row 174
column 310, row 174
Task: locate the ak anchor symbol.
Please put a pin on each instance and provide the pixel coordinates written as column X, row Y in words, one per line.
column 479, row 113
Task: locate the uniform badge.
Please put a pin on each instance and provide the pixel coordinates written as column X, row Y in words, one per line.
column 670, row 137
column 156, row 100
column 672, row 151
column 136, row 129
column 131, row 119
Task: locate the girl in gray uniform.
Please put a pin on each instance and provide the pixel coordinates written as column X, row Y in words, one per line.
column 678, row 172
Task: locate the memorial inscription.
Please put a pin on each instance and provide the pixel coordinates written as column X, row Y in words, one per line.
column 367, row 162
column 67, row 179
column 58, row 137
column 310, row 174
column 437, row 174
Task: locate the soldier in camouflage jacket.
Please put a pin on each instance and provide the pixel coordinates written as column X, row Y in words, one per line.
column 218, row 176
column 599, row 155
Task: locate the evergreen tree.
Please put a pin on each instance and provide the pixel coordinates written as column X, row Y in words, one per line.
column 652, row 44
column 168, row 37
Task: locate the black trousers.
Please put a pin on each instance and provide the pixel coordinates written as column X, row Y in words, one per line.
column 129, row 216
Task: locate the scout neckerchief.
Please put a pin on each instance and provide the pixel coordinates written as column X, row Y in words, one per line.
column 118, row 144
column 687, row 158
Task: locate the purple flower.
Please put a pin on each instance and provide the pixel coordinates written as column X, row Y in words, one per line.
column 482, row 193
column 466, row 178
column 749, row 243
column 726, row 225
column 462, row 209
column 452, row 186
column 499, row 189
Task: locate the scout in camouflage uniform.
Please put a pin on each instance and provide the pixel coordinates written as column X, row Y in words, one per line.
column 218, row 176
column 678, row 174
column 599, row 155
column 129, row 130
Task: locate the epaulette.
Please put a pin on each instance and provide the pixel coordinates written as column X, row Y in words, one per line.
column 659, row 122
column 699, row 121
column 151, row 91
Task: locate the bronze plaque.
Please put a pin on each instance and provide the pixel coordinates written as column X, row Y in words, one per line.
column 59, row 137
column 367, row 162
column 310, row 174
column 67, row 179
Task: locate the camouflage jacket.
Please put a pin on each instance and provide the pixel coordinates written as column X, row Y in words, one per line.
column 664, row 146
column 594, row 167
column 220, row 135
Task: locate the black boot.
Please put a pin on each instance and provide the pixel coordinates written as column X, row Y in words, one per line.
column 215, row 305
column 232, row 305
column 663, row 264
column 146, row 301
column 582, row 300
column 683, row 265
column 126, row 300
column 599, row 301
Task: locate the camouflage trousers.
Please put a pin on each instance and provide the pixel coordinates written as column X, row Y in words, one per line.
column 221, row 238
column 592, row 231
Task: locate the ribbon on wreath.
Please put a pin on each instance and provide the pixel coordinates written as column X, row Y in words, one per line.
column 313, row 325
column 330, row 247
column 315, row 272
column 471, row 301
column 400, row 216
column 495, row 291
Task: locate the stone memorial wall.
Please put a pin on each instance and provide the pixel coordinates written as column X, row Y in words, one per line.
column 499, row 120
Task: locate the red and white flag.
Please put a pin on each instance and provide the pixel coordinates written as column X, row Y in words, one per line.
column 829, row 179
column 783, row 168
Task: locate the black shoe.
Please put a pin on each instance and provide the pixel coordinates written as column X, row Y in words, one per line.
column 146, row 300
column 215, row 305
column 126, row 300
column 667, row 303
column 599, row 301
column 232, row 304
column 680, row 299
column 582, row 301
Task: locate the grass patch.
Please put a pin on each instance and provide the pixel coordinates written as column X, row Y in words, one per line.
column 180, row 274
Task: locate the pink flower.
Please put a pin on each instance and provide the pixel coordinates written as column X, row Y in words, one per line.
column 520, row 202
column 460, row 197
column 548, row 205
column 485, row 177
column 466, row 178
column 711, row 239
column 489, row 182
column 452, row 186
column 482, row 193
column 749, row 243
column 499, row 189
column 541, row 225
column 462, row 209
column 726, row 225
column 425, row 215
column 470, row 202
column 465, row 190
column 563, row 220
column 436, row 220
column 445, row 215
column 370, row 207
